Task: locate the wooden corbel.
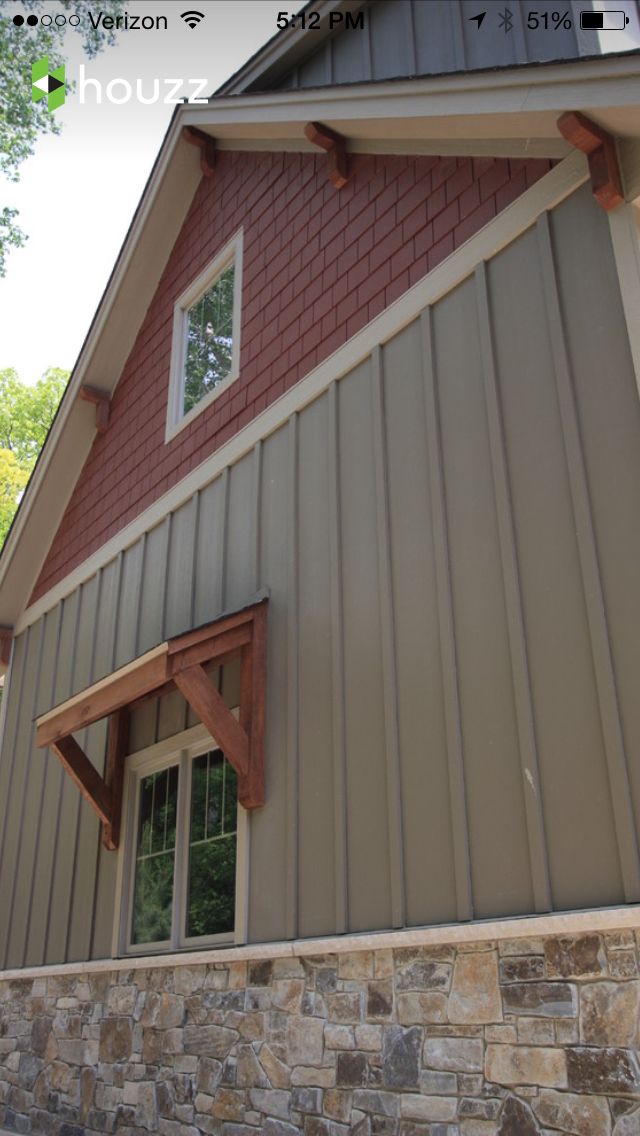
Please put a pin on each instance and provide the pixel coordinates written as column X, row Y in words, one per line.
column 6, row 641
column 101, row 402
column 336, row 148
column 207, row 148
column 600, row 148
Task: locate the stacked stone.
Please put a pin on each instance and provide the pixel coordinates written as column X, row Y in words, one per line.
column 515, row 1038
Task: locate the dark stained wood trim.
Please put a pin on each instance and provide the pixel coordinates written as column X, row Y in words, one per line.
column 207, row 148
column 6, row 642
column 101, row 402
column 336, row 148
column 229, row 643
column 600, row 148
column 85, row 776
column 213, row 711
column 117, row 748
column 105, row 700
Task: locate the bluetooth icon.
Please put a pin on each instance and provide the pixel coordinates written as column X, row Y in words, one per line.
column 506, row 20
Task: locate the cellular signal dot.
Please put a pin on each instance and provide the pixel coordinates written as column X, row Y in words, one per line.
column 32, row 21
column 18, row 21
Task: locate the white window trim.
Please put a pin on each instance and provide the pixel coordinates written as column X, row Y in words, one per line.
column 191, row 742
column 230, row 254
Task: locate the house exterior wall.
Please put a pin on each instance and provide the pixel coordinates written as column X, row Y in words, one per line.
column 408, row 37
column 509, row 1037
column 318, row 265
column 449, row 538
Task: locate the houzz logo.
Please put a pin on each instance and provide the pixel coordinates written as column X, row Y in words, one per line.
column 49, row 83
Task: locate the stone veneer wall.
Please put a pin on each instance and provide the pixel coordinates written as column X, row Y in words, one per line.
column 513, row 1038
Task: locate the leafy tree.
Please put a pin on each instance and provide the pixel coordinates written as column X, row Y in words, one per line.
column 26, row 413
column 21, row 120
column 12, row 481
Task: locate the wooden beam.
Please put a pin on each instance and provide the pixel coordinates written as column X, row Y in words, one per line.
column 336, row 148
column 230, row 643
column 207, row 148
column 101, row 402
column 85, row 776
column 211, row 709
column 117, row 747
column 6, row 642
column 99, row 701
column 600, row 148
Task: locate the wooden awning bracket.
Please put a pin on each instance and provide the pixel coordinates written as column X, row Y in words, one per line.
column 207, row 147
column 101, row 402
column 6, row 642
column 336, row 147
column 180, row 662
column 600, row 148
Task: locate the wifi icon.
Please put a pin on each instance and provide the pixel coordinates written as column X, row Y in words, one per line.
column 192, row 18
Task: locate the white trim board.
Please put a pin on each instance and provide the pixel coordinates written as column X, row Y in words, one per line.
column 601, row 919
column 553, row 188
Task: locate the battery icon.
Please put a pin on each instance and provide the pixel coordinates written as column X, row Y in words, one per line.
column 607, row 21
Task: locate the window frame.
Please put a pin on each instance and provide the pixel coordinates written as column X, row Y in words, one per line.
column 230, row 254
column 181, row 750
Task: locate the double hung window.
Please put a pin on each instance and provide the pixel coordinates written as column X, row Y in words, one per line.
column 182, row 838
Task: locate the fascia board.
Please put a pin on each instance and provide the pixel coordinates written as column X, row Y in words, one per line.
column 474, row 96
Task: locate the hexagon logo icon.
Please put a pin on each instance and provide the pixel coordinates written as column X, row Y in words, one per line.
column 47, row 84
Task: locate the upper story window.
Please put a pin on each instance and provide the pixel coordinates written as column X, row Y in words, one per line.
column 205, row 352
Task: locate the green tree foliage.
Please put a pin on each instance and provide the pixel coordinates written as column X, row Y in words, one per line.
column 26, row 413
column 21, row 120
column 13, row 479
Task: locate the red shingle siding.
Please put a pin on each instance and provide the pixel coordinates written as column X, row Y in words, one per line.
column 318, row 265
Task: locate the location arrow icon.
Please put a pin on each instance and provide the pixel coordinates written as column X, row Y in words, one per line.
column 479, row 18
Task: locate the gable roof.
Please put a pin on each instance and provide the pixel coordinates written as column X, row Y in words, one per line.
column 510, row 113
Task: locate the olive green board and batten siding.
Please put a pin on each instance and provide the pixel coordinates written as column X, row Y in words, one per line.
column 449, row 538
column 410, row 37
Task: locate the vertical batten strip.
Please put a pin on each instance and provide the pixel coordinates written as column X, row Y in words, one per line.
column 84, row 744
column 167, row 526
column 591, row 580
column 389, row 668
column 624, row 227
column 143, row 551
column 31, row 711
column 15, row 692
column 256, row 496
column 411, row 37
column 337, row 670
column 513, row 602
column 223, row 518
column 368, row 51
column 293, row 730
column 43, row 794
column 457, row 792
column 62, row 776
column 459, row 51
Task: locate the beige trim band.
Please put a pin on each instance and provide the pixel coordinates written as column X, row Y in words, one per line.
column 553, row 188
column 522, row 927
